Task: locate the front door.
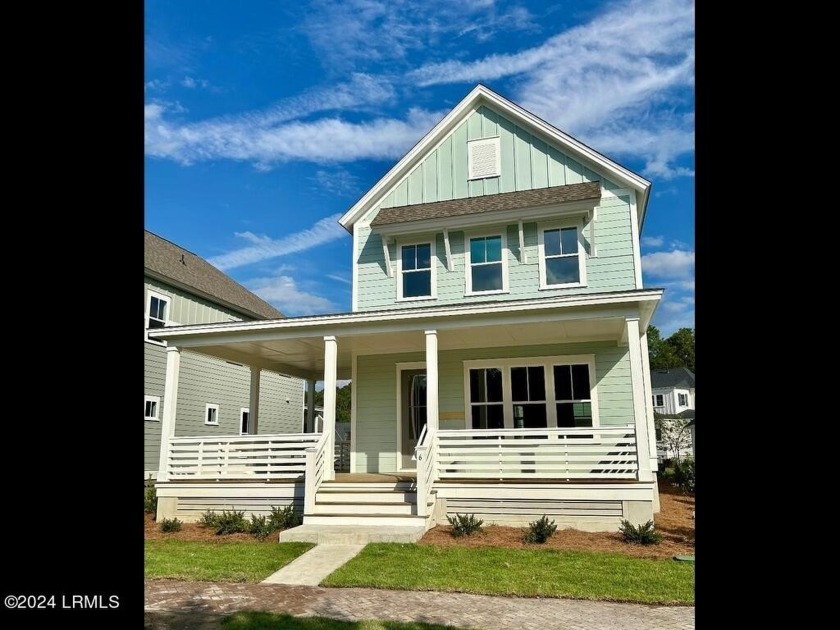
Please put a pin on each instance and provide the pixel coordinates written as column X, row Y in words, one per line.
column 412, row 414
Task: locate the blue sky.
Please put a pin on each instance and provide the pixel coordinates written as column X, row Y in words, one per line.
column 265, row 121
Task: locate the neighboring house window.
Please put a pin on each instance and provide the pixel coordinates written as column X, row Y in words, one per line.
column 683, row 400
column 484, row 158
column 531, row 393
column 486, row 399
column 244, row 421
column 416, row 271
column 658, row 400
column 486, row 260
column 151, row 405
column 211, row 414
column 157, row 313
column 561, row 260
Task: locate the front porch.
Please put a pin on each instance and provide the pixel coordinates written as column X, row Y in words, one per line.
column 574, row 442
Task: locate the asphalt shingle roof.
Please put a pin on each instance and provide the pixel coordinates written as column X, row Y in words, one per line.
column 672, row 377
column 175, row 263
column 489, row 203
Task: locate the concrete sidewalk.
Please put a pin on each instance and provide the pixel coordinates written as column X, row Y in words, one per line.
column 201, row 605
column 311, row 568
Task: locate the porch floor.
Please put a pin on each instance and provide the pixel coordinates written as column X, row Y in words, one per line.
column 375, row 477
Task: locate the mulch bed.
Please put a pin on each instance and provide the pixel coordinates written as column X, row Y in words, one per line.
column 673, row 521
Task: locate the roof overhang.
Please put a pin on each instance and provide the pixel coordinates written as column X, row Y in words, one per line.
column 295, row 346
column 482, row 95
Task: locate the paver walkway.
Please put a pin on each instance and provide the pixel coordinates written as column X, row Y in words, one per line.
column 194, row 606
column 313, row 566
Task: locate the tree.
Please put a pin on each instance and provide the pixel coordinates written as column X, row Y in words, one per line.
column 675, row 351
column 682, row 346
column 673, row 435
column 342, row 402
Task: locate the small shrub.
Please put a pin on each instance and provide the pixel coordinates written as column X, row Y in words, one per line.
column 170, row 525
column 150, row 497
column 464, row 524
column 260, row 527
column 641, row 535
column 231, row 522
column 684, row 475
column 209, row 519
column 540, row 530
column 284, row 518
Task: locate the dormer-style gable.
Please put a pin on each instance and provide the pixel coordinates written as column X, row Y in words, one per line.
column 495, row 203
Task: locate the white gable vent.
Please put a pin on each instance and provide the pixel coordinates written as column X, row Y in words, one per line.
column 484, row 158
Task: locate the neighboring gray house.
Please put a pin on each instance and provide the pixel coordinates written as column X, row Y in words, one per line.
column 215, row 395
column 672, row 390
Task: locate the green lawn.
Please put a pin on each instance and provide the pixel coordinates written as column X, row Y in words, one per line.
column 523, row 572
column 218, row 562
column 270, row 621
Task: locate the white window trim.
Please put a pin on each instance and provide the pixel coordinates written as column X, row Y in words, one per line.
column 242, row 411
column 679, row 404
column 468, row 262
column 147, row 313
column 156, row 400
column 207, row 408
column 433, row 256
column 547, row 363
column 581, row 254
column 661, row 397
column 496, row 140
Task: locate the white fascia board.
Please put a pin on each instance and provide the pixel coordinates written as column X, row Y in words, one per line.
column 471, row 102
column 315, row 324
column 487, row 219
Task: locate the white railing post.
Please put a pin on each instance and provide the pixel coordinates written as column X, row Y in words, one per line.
column 309, row 481
column 422, row 453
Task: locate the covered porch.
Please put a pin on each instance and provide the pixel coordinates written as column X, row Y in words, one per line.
column 510, row 460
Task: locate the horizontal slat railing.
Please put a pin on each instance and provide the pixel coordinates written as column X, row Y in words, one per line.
column 425, row 453
column 578, row 453
column 263, row 457
column 316, row 471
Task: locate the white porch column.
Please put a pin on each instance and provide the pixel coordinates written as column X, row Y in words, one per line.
column 330, row 371
column 654, row 462
column 254, row 402
column 170, row 403
column 637, row 377
column 310, row 406
column 431, row 381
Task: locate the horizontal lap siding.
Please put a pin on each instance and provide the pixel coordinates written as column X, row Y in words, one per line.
column 154, row 357
column 185, row 308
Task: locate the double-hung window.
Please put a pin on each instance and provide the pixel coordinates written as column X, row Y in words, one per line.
column 572, row 395
column 561, row 257
column 151, row 406
column 487, row 268
column 416, row 272
column 211, row 414
column 486, row 398
column 658, row 400
column 157, row 313
column 682, row 400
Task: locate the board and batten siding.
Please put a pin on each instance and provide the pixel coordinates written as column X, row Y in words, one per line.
column 376, row 396
column 527, row 163
column 205, row 379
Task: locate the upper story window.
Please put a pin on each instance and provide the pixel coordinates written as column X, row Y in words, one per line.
column 484, row 158
column 658, row 400
column 151, row 405
column 487, row 264
column 416, row 271
column 561, row 257
column 211, row 414
column 157, row 313
column 682, row 400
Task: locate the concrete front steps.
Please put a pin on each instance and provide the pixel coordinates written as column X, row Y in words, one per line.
column 355, row 513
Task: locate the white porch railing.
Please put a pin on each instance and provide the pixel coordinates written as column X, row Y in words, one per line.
column 263, row 457
column 425, row 453
column 315, row 471
column 578, row 453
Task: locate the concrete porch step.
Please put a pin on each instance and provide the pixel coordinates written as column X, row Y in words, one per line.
column 330, row 495
column 367, row 507
column 372, row 520
column 353, row 534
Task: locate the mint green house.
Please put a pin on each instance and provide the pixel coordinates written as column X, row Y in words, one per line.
column 496, row 346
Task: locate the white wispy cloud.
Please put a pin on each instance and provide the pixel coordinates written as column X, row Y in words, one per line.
column 337, row 181
column 616, row 92
column 338, row 278
column 262, row 247
column 283, row 292
column 677, row 264
column 653, row 241
column 192, row 83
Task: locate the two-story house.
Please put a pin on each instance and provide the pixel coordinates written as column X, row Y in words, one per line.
column 496, row 344
column 672, row 390
column 215, row 395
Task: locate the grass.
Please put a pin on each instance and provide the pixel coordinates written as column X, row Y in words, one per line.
column 521, row 572
column 271, row 621
column 217, row 561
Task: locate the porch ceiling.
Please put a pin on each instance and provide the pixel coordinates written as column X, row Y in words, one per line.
column 298, row 349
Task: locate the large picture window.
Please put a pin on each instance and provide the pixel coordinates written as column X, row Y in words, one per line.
column 487, row 270
column 416, row 277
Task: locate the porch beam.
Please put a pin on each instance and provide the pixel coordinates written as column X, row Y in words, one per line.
column 431, row 381
column 254, row 402
column 637, row 378
column 330, row 364
column 309, row 426
column 170, row 405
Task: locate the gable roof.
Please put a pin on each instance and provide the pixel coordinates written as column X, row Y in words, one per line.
column 488, row 203
column 180, row 267
column 672, row 377
column 483, row 95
